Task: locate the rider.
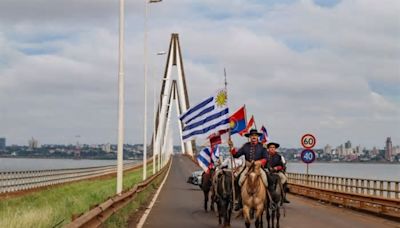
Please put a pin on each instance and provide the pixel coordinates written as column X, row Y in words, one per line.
column 277, row 164
column 253, row 151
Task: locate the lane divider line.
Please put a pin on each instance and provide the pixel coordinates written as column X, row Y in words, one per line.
column 147, row 212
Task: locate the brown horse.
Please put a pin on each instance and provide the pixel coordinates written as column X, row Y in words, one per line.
column 206, row 186
column 253, row 194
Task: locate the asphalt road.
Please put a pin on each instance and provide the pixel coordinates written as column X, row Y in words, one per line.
column 181, row 205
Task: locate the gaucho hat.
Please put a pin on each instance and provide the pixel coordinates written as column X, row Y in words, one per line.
column 272, row 143
column 253, row 132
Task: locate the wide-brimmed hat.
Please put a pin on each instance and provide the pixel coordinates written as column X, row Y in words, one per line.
column 272, row 143
column 253, row 132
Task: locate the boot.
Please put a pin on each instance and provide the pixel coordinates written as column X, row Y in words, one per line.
column 285, row 190
column 285, row 200
column 238, row 205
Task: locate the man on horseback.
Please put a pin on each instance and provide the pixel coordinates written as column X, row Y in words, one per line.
column 277, row 164
column 253, row 152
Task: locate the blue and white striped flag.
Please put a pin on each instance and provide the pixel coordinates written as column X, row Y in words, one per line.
column 206, row 118
column 204, row 158
column 215, row 154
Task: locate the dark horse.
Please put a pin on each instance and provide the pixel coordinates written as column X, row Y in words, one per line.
column 274, row 200
column 224, row 196
column 205, row 185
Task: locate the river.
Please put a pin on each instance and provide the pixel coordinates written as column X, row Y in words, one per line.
column 23, row 164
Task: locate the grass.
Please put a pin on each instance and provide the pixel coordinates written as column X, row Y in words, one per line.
column 55, row 206
column 121, row 218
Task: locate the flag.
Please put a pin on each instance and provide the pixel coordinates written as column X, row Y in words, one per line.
column 215, row 154
column 204, row 158
column 238, row 120
column 264, row 137
column 249, row 125
column 219, row 137
column 206, row 118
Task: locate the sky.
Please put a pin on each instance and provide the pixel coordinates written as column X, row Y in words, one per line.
column 327, row 67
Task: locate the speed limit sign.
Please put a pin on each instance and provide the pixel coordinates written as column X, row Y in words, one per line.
column 308, row 141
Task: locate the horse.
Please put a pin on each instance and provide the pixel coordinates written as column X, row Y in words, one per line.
column 253, row 194
column 205, row 185
column 274, row 199
column 224, row 196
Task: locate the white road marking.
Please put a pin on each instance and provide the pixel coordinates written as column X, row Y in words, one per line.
column 147, row 212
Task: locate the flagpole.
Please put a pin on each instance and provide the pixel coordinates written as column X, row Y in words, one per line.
column 229, row 132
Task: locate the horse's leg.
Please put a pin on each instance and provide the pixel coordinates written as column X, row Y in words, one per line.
column 258, row 214
column 205, row 199
column 267, row 212
column 273, row 218
column 212, row 199
column 278, row 215
column 246, row 214
column 229, row 212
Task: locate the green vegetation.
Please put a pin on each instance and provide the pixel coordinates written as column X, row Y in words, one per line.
column 55, row 206
column 121, row 218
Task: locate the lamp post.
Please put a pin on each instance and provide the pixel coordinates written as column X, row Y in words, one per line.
column 145, row 88
column 121, row 85
column 154, row 116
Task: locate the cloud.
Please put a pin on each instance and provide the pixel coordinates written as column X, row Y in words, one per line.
column 299, row 66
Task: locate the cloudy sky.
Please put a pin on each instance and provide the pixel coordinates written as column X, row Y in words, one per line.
column 329, row 67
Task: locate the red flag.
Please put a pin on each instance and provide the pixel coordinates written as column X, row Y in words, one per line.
column 249, row 124
column 216, row 137
column 238, row 120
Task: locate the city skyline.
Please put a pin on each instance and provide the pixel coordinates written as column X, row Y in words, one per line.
column 300, row 66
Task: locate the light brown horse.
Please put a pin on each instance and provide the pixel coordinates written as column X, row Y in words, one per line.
column 253, row 194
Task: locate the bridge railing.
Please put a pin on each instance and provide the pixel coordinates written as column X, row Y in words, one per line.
column 25, row 180
column 367, row 187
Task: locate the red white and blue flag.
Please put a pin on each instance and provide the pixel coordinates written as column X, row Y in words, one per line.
column 208, row 157
column 264, row 137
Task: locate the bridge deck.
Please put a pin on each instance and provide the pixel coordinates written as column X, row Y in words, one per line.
column 180, row 205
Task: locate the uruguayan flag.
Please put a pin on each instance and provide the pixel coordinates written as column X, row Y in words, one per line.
column 204, row 158
column 206, row 118
column 215, row 154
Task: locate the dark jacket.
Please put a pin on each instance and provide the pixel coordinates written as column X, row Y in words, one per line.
column 276, row 161
column 251, row 152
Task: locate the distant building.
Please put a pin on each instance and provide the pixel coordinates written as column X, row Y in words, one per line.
column 106, row 148
column 375, row 151
column 388, row 149
column 327, row 149
column 2, row 144
column 347, row 145
column 33, row 143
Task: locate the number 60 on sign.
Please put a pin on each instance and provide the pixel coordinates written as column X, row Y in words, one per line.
column 308, row 141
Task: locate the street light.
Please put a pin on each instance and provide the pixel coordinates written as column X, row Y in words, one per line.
column 145, row 88
column 120, row 99
column 154, row 116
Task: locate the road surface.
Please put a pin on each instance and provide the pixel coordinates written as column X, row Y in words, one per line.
column 180, row 204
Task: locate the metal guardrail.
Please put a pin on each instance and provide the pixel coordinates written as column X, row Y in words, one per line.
column 98, row 215
column 25, row 180
column 366, row 187
column 372, row 204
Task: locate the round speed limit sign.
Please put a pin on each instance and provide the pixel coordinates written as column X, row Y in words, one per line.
column 308, row 156
column 308, row 141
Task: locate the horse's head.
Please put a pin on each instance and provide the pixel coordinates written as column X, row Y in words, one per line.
column 253, row 178
column 224, row 184
column 273, row 182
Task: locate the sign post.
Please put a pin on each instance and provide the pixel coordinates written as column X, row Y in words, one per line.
column 308, row 141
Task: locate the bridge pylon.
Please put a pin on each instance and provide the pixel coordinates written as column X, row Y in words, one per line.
column 172, row 90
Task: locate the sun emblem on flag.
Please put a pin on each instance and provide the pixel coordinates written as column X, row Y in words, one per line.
column 221, row 98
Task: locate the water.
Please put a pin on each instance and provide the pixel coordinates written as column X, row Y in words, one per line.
column 23, row 164
column 355, row 170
